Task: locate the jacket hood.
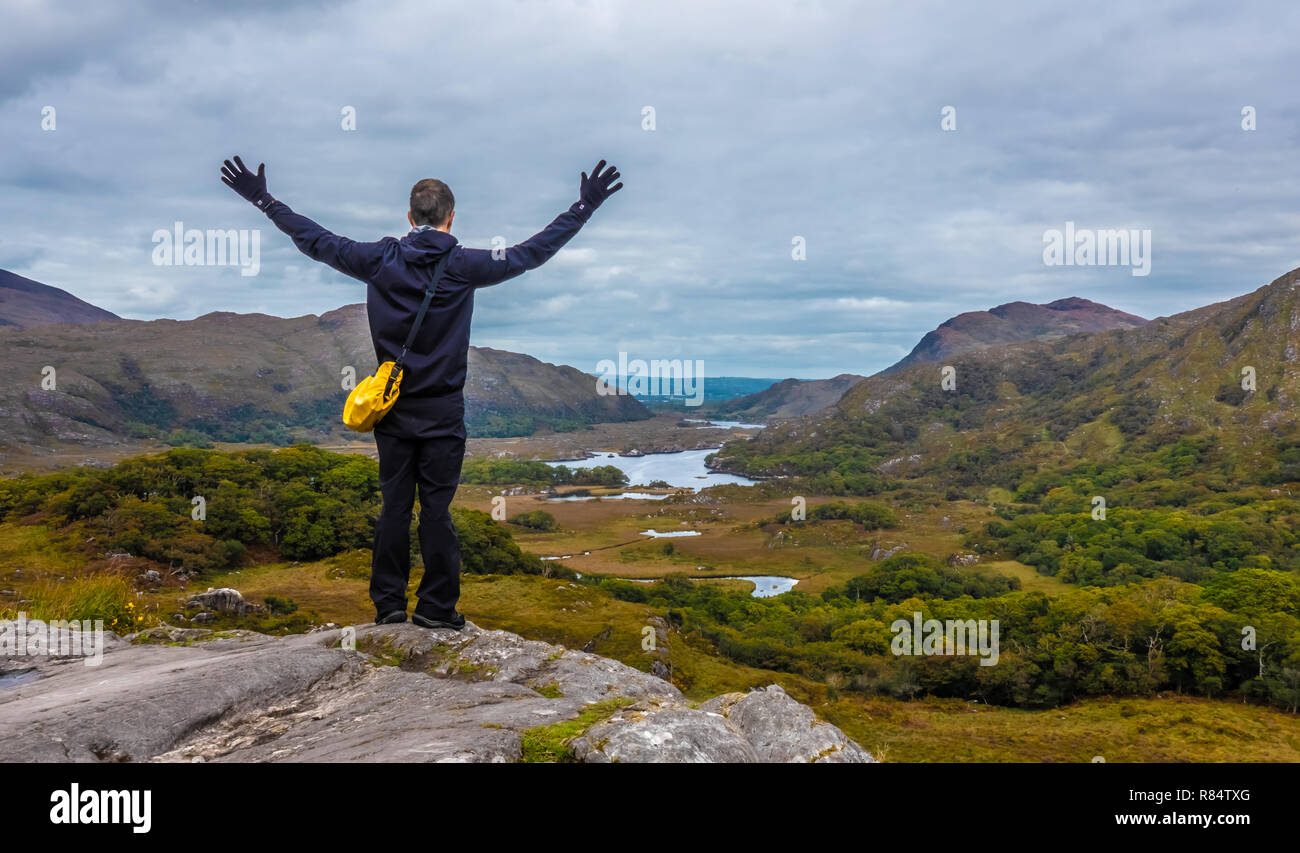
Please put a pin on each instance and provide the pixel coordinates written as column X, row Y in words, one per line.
column 424, row 248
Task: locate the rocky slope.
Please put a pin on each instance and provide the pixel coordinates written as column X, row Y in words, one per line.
column 403, row 694
column 24, row 303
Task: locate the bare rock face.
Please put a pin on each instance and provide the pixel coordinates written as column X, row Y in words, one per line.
column 783, row 730
column 760, row 726
column 664, row 733
column 391, row 693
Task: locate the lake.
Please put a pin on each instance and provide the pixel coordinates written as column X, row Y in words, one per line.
column 766, row 586
column 684, row 469
column 723, row 424
column 621, row 496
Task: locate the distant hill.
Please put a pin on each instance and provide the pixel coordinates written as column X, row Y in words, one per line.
column 25, row 303
column 716, row 389
column 789, row 399
column 1013, row 323
column 252, row 377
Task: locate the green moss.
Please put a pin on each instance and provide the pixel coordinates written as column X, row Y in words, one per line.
column 381, row 651
column 469, row 671
column 550, row 744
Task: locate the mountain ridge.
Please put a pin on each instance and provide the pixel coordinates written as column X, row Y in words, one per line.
column 1013, row 322
column 251, row 377
column 25, row 303
column 789, row 398
column 1026, row 402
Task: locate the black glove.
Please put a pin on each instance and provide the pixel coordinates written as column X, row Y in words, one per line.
column 250, row 186
column 597, row 188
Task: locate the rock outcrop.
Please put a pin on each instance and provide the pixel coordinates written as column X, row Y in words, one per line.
column 382, row 693
column 759, row 726
column 224, row 600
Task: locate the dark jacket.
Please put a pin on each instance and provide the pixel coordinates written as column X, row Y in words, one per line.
column 396, row 272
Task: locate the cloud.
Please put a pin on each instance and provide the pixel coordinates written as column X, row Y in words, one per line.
column 815, row 119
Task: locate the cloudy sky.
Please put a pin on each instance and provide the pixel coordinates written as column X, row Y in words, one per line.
column 772, row 121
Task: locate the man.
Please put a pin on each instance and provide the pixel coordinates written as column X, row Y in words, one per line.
column 421, row 440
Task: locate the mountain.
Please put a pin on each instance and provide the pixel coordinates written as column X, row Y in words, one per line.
column 1161, row 404
column 788, row 399
column 24, row 303
column 508, row 393
column 1015, row 322
column 1010, row 323
column 404, row 694
column 251, row 377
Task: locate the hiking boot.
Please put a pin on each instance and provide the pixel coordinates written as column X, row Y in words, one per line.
column 391, row 618
column 455, row 622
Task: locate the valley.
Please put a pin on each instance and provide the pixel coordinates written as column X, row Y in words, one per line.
column 781, row 544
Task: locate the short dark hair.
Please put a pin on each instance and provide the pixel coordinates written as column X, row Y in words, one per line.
column 431, row 202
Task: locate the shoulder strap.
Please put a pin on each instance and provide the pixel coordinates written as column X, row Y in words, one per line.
column 424, row 308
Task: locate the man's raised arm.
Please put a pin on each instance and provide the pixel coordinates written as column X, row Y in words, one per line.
column 484, row 267
column 349, row 257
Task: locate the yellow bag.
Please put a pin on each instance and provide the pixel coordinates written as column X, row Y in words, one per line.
column 372, row 398
column 375, row 395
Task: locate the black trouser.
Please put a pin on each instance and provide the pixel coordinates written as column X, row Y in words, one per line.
column 434, row 465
